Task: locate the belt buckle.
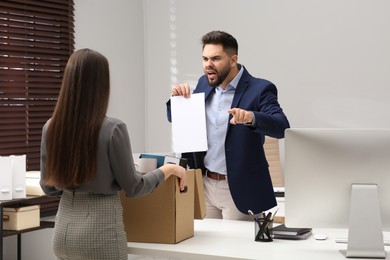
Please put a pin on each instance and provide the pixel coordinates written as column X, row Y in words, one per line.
column 210, row 175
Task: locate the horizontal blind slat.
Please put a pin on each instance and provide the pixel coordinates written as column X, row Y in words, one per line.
column 36, row 39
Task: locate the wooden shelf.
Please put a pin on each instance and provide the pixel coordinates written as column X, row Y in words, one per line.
column 43, row 225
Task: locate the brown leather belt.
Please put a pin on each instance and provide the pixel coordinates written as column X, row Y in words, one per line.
column 215, row 176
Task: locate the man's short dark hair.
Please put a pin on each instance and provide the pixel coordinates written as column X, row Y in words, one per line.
column 228, row 42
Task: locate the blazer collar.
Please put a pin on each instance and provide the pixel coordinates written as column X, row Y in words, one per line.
column 241, row 88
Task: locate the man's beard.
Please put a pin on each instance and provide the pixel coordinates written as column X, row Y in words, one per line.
column 220, row 77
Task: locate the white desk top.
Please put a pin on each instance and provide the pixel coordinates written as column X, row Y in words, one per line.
column 228, row 239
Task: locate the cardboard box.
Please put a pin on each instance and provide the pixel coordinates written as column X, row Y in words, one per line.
column 21, row 218
column 164, row 216
column 200, row 203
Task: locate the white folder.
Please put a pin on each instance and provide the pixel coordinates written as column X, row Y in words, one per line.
column 18, row 176
column 5, row 178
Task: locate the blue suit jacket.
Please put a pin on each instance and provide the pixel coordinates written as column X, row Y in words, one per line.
column 247, row 168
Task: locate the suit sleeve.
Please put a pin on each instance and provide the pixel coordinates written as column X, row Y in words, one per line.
column 169, row 116
column 270, row 118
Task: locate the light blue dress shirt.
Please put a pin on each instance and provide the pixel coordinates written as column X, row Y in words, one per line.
column 217, row 121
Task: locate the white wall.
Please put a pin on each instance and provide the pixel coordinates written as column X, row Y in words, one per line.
column 116, row 29
column 329, row 59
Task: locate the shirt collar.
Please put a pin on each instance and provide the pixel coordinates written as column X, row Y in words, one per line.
column 234, row 82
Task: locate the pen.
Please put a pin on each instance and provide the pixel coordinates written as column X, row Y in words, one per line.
column 268, row 217
column 255, row 218
column 252, row 215
column 267, row 220
column 274, row 214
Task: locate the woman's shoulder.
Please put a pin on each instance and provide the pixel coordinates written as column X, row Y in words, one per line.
column 112, row 121
column 110, row 124
column 46, row 125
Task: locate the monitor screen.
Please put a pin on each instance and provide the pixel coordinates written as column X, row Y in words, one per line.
column 324, row 167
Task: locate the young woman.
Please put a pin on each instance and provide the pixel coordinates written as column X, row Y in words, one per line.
column 86, row 158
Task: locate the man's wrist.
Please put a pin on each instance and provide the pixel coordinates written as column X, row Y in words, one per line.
column 253, row 123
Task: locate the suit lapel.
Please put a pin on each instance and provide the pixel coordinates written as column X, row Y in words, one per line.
column 241, row 88
column 208, row 92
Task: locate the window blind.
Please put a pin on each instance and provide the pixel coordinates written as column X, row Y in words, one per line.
column 36, row 40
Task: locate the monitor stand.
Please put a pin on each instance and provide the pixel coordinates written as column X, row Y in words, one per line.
column 365, row 236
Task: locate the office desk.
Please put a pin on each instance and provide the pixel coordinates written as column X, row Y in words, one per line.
column 228, row 239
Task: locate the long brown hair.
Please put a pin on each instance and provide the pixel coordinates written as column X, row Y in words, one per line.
column 72, row 136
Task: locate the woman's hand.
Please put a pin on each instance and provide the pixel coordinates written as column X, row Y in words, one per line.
column 179, row 171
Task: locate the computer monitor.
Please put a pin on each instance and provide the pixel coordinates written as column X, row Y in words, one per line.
column 340, row 178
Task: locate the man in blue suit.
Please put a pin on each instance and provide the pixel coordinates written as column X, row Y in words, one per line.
column 240, row 111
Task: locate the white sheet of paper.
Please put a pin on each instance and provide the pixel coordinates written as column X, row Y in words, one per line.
column 189, row 132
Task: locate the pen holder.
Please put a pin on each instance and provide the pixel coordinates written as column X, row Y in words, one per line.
column 263, row 230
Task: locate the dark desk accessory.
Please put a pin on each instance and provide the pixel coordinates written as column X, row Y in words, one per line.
column 263, row 226
column 283, row 232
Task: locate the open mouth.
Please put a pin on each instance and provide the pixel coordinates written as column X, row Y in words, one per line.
column 212, row 75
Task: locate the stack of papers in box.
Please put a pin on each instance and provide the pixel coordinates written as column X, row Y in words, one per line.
column 33, row 187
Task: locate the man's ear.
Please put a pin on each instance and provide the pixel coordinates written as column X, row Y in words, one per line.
column 233, row 61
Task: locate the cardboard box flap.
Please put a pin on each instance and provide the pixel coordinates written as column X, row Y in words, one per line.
column 21, row 209
column 199, row 203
